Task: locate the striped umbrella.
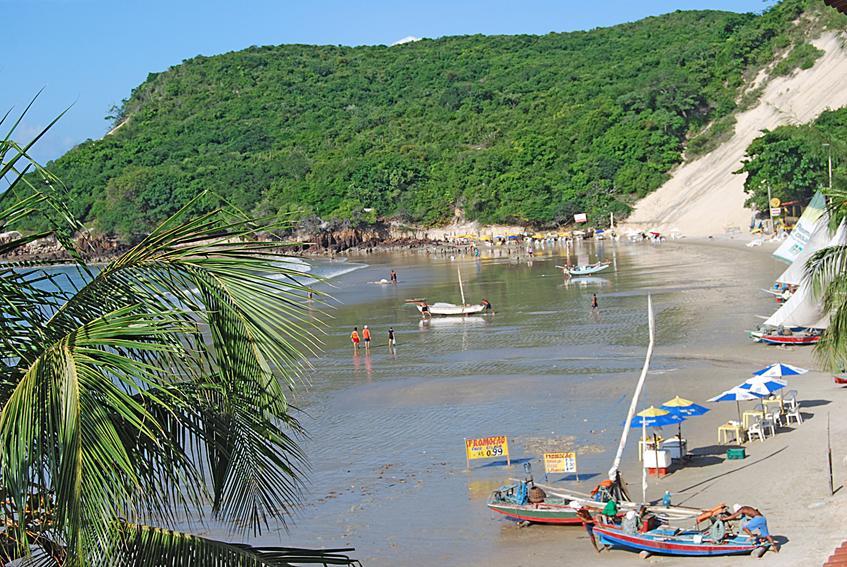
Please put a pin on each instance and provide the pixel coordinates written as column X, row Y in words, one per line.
column 778, row 370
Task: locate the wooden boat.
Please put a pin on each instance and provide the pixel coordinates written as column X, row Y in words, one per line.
column 666, row 540
column 511, row 501
column 451, row 309
column 794, row 339
column 840, row 379
column 587, row 270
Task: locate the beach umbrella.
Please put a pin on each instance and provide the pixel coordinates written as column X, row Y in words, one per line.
column 763, row 385
column 655, row 417
column 778, row 370
column 737, row 395
column 683, row 408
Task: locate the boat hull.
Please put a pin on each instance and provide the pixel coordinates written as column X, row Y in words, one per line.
column 542, row 513
column 665, row 542
column 840, row 379
column 587, row 270
column 448, row 309
column 789, row 340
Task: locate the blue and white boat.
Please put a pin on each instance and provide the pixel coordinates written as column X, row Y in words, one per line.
column 667, row 540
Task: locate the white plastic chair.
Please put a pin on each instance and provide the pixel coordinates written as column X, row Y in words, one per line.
column 794, row 413
column 767, row 423
column 756, row 429
column 776, row 418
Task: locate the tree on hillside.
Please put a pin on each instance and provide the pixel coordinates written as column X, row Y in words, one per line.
column 154, row 390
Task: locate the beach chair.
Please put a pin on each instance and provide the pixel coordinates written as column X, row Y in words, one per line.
column 794, row 413
column 756, row 429
column 776, row 418
column 790, row 400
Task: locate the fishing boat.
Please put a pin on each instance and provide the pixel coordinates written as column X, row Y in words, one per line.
column 840, row 379
column 587, row 270
column 513, row 502
column 451, row 309
column 794, row 339
column 666, row 540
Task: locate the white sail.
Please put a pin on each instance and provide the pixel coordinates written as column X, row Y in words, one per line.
column 796, row 241
column 803, row 309
column 818, row 239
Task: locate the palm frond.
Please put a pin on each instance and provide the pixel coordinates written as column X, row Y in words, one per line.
column 141, row 545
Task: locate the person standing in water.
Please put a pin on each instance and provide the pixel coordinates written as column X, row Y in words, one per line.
column 594, row 304
column 393, row 277
column 392, row 341
column 354, row 338
column 366, row 336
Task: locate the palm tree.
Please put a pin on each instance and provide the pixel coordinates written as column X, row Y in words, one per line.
column 152, row 393
column 827, row 272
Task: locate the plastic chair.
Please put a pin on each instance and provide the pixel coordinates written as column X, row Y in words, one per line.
column 756, row 429
column 776, row 418
column 767, row 423
column 794, row 413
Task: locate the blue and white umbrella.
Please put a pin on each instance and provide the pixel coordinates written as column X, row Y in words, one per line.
column 778, row 370
column 763, row 385
column 737, row 394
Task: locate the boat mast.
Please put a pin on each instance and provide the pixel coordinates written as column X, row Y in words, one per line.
column 461, row 289
column 613, row 472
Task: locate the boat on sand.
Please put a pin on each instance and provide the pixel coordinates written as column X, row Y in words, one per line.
column 666, row 540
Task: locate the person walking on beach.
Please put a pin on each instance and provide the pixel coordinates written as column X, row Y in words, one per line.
column 594, row 304
column 354, row 338
column 393, row 277
column 392, row 341
column 752, row 520
column 366, row 336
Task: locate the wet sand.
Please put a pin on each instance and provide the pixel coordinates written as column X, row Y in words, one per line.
column 387, row 429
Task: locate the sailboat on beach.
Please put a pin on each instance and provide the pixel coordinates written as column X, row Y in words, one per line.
column 451, row 309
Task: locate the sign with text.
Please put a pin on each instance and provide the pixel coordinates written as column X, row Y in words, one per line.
column 776, row 211
column 560, row 462
column 580, row 217
column 487, row 448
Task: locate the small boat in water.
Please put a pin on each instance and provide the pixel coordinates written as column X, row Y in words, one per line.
column 666, row 540
column 442, row 308
column 586, row 270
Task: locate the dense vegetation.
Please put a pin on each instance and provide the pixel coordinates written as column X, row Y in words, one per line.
column 792, row 160
column 509, row 128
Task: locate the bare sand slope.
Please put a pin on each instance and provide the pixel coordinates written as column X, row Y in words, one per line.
column 704, row 197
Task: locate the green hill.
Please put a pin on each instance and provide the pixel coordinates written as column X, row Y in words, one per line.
column 510, row 128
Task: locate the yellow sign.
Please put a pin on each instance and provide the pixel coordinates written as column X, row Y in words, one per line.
column 560, row 462
column 775, row 202
column 487, row 447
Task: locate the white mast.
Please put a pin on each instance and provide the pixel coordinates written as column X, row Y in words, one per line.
column 461, row 289
column 613, row 472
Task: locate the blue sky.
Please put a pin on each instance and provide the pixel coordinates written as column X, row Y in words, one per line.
column 91, row 53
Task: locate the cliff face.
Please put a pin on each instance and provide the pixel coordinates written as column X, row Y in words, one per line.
column 704, row 197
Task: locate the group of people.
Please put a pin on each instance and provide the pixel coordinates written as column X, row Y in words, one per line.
column 753, row 522
column 366, row 338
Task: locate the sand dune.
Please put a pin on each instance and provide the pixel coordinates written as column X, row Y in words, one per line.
column 703, row 197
